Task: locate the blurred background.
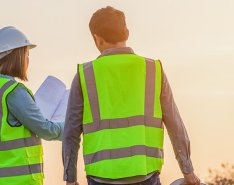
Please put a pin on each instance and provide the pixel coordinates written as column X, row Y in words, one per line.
column 193, row 39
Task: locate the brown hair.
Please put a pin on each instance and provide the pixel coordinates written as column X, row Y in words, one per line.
column 15, row 64
column 109, row 24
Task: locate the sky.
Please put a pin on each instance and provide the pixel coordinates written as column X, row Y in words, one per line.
column 193, row 39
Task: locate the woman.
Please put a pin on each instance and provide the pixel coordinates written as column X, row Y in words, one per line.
column 22, row 124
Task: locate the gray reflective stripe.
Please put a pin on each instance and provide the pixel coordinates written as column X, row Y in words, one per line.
column 149, row 87
column 92, row 90
column 21, row 170
column 19, row 143
column 123, row 152
column 122, row 123
column 2, row 90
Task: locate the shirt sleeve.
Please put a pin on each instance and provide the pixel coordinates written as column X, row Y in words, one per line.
column 175, row 128
column 22, row 106
column 72, row 131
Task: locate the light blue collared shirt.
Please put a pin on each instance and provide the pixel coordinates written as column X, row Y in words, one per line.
column 23, row 110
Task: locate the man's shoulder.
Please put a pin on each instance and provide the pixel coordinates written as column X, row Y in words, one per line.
column 85, row 64
column 153, row 60
column 88, row 64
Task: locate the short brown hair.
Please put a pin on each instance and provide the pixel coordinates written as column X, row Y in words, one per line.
column 14, row 64
column 109, row 24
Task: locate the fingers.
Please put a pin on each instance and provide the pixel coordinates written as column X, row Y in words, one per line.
column 197, row 182
column 72, row 183
column 191, row 179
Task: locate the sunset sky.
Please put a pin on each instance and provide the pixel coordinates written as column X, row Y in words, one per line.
column 193, row 39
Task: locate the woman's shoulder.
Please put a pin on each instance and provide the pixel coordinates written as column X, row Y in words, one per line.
column 20, row 91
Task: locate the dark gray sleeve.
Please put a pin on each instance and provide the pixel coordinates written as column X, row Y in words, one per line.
column 72, row 131
column 175, row 128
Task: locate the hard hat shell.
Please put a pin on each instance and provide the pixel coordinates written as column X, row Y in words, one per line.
column 11, row 38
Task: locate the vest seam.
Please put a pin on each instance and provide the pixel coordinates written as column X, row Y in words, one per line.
column 8, row 109
column 18, row 84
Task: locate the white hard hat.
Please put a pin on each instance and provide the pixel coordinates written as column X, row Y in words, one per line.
column 180, row 181
column 11, row 38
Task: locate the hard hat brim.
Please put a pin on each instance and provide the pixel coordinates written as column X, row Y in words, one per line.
column 5, row 53
column 32, row 46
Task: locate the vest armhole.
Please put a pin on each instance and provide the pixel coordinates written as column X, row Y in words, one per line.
column 7, row 117
column 162, row 74
column 28, row 90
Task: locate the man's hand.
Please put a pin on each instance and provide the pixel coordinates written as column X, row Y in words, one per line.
column 191, row 179
column 72, row 183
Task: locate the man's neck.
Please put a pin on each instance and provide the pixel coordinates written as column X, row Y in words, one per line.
column 112, row 46
column 114, row 51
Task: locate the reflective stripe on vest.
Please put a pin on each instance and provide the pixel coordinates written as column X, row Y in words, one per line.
column 20, row 150
column 123, row 152
column 122, row 123
column 20, row 170
column 2, row 90
column 96, row 160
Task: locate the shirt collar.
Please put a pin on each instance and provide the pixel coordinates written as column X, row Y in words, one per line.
column 7, row 76
column 115, row 51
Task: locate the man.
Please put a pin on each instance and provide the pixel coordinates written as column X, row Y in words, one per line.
column 119, row 101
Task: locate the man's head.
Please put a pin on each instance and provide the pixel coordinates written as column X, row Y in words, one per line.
column 108, row 28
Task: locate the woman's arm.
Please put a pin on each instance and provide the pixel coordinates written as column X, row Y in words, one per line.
column 24, row 109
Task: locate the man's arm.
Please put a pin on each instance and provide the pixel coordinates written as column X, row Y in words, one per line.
column 177, row 132
column 72, row 131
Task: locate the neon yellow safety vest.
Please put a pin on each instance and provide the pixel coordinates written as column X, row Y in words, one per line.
column 122, row 118
column 20, row 150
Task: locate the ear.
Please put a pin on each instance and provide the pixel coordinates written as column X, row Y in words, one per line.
column 95, row 38
column 99, row 40
column 127, row 33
